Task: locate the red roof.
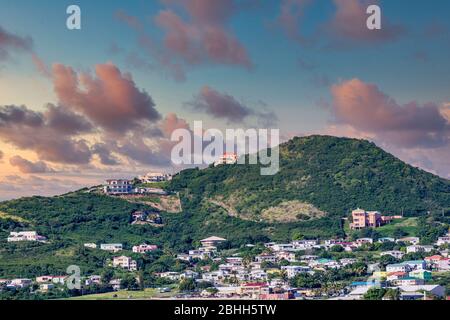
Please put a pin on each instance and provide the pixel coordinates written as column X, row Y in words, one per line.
column 255, row 284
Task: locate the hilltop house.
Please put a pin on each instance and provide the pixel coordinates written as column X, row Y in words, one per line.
column 118, row 186
column 25, row 236
column 153, row 177
column 226, row 158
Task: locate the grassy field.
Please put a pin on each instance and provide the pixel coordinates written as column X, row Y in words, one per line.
column 408, row 225
column 128, row 295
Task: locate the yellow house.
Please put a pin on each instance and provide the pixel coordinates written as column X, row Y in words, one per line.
column 380, row 274
column 273, row 271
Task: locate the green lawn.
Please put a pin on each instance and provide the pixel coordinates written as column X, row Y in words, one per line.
column 128, row 295
column 408, row 225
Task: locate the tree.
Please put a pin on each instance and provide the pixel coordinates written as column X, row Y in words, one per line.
column 375, row 294
column 187, row 284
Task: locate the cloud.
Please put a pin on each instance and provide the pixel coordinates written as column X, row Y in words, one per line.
column 39, row 132
column 1, row 154
column 11, row 44
column 224, row 106
column 172, row 122
column 26, row 166
column 364, row 107
column 130, row 20
column 105, row 154
column 349, row 23
column 346, row 26
column 40, row 66
column 110, row 99
column 14, row 186
column 291, row 14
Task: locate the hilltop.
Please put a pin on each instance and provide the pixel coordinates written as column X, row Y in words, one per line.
column 321, row 179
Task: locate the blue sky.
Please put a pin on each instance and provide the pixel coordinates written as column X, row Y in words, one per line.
column 289, row 78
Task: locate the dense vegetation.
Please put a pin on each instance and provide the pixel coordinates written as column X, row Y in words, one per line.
column 334, row 175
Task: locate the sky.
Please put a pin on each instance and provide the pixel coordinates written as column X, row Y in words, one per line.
column 79, row 106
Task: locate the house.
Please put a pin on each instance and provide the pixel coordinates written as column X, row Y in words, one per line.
column 365, row 219
column 359, row 292
column 408, row 281
column 416, row 264
column 443, row 240
column 391, row 276
column 46, row 287
column 143, row 248
column 362, row 241
column 398, row 267
column 20, row 283
column 174, row 276
column 25, row 236
column 283, row 247
column 266, row 257
column 443, row 265
column 292, row 271
column 226, row 158
column 421, row 274
column 116, row 284
column 394, row 253
column 94, row 279
column 212, row 241
column 254, row 289
column 418, row 248
column 384, row 240
column 113, row 247
column 199, row 254
column 184, row 257
column 53, row 279
column 435, row 290
column 118, row 186
column 433, row 259
column 284, row 255
column 125, row 262
column 153, row 177
column 90, row 245
column 412, row 240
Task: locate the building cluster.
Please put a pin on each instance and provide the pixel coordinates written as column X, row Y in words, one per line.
column 127, row 186
column 362, row 219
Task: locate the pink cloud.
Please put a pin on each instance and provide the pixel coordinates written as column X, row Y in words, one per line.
column 204, row 37
column 349, row 23
column 364, row 107
column 110, row 98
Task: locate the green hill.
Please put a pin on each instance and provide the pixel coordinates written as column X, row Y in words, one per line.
column 321, row 180
column 319, row 175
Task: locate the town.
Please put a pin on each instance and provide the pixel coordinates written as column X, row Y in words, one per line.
column 338, row 269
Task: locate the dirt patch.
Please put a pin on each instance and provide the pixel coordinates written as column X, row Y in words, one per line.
column 166, row 203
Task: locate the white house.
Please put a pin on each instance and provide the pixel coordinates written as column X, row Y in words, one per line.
column 143, row 248
column 398, row 267
column 412, row 240
column 443, row 240
column 152, row 177
column 25, row 236
column 118, row 186
column 292, row 271
column 226, row 158
column 394, row 253
column 125, row 262
column 418, row 248
column 90, row 245
column 113, row 247
column 436, row 290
